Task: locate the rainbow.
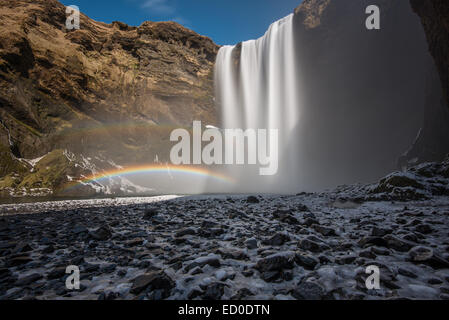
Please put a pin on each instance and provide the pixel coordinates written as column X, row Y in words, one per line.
column 158, row 169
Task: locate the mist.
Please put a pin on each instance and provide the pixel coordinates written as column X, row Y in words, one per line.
column 348, row 101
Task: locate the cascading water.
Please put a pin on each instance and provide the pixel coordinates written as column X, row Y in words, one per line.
column 257, row 88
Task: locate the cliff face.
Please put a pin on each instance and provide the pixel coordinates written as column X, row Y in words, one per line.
column 365, row 90
column 433, row 142
column 434, row 15
column 109, row 91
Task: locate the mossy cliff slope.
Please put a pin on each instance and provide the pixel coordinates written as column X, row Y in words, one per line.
column 107, row 90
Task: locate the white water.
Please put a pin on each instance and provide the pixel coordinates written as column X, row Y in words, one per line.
column 260, row 91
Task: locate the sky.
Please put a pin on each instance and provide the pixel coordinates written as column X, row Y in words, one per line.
column 224, row 21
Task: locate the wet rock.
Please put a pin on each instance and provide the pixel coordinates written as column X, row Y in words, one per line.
column 252, row 199
column 407, row 273
column 421, row 254
column 347, row 259
column 18, row 261
column 325, row 231
column 271, row 276
column 308, row 290
column 308, row 222
column 194, row 293
column 25, row 281
column 310, row 244
column 4, row 272
column 134, row 242
column 211, row 233
column 78, row 229
column 242, row 294
column 196, row 270
column 277, row 240
column 185, row 232
column 276, row 262
column 398, row 244
column 424, row 228
column 57, row 273
column 380, row 232
column 427, row 256
column 211, row 260
column 150, row 214
column 153, row 281
column 380, row 251
column 367, row 254
column 285, row 216
column 434, row 281
column 48, row 249
column 251, row 243
column 101, row 234
column 22, row 247
column 214, row 291
column 306, row 261
column 233, row 254
column 373, row 241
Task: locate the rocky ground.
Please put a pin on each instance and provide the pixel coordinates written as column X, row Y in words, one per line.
column 307, row 246
column 304, row 246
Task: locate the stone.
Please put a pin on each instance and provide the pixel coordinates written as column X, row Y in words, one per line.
column 347, row 259
column 25, row 281
column 153, row 281
column 17, row 261
column 101, row 234
column 373, row 241
column 424, row 228
column 211, row 260
column 380, row 232
column 308, row 222
column 308, row 290
column 78, row 229
column 306, row 261
column 185, row 232
column 407, row 273
column 310, row 245
column 252, row 199
column 434, row 281
column 251, row 243
column 232, row 254
column 149, row 214
column 57, row 273
column 277, row 240
column 22, row 247
column 271, row 276
column 325, row 231
column 420, row 254
column 398, row 244
column 276, row 262
column 134, row 242
column 214, row 291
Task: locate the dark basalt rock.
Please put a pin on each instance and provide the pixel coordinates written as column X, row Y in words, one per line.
column 308, row 291
column 276, row 262
column 277, row 240
column 252, row 199
column 153, row 281
column 102, row 234
column 307, row 261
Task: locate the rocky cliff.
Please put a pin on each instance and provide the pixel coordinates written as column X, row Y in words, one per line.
column 109, row 92
column 364, row 91
column 433, row 143
column 435, row 19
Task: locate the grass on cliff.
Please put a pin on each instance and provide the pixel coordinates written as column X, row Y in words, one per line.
column 50, row 172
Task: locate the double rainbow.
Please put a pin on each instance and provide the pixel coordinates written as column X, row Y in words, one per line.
column 159, row 169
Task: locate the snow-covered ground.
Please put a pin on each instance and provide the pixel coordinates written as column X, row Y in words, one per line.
column 304, row 246
column 226, row 247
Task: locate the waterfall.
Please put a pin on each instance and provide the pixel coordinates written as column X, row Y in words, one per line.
column 257, row 88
